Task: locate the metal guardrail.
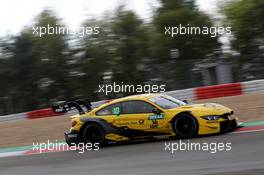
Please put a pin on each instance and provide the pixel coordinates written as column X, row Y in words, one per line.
column 11, row 117
column 255, row 86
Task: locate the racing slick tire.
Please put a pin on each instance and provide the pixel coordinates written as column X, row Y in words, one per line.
column 94, row 134
column 185, row 126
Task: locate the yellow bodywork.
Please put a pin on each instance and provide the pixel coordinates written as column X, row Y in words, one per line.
column 163, row 126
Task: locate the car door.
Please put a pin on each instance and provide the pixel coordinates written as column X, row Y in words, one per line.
column 138, row 114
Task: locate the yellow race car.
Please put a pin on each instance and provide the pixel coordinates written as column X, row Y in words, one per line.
column 144, row 116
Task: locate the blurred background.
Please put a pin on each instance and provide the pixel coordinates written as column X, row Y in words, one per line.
column 131, row 48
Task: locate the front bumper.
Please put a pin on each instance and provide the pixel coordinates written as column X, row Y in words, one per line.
column 71, row 138
column 228, row 125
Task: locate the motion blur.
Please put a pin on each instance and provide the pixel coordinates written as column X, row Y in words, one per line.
column 37, row 71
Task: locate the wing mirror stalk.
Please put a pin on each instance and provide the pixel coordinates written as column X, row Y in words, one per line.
column 156, row 111
column 185, row 101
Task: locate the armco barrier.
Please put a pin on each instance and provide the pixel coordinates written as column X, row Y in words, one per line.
column 255, row 86
column 182, row 94
column 29, row 115
column 19, row 116
column 41, row 113
column 231, row 89
column 218, row 91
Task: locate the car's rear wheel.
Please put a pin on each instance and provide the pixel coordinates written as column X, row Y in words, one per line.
column 94, row 134
column 185, row 126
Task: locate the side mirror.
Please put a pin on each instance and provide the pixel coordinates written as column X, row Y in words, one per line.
column 156, row 111
column 185, row 101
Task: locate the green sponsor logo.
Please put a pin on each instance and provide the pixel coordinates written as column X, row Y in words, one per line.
column 116, row 110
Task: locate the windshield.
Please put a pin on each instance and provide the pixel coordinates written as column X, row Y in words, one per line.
column 167, row 102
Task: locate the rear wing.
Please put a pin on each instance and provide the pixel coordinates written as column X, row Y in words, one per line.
column 78, row 105
column 72, row 105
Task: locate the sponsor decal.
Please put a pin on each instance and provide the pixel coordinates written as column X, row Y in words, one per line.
column 154, row 124
column 141, row 121
column 128, row 123
column 116, row 111
column 156, row 117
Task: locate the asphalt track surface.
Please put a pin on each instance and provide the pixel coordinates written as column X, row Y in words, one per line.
column 245, row 157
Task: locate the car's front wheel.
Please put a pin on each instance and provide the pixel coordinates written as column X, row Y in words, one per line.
column 94, row 134
column 185, row 126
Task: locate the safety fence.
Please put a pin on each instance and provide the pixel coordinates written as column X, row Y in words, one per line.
column 222, row 90
column 206, row 92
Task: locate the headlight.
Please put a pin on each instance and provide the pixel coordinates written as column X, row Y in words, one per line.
column 213, row 117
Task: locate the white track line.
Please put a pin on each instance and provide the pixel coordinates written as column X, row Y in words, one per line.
column 11, row 154
column 246, row 131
